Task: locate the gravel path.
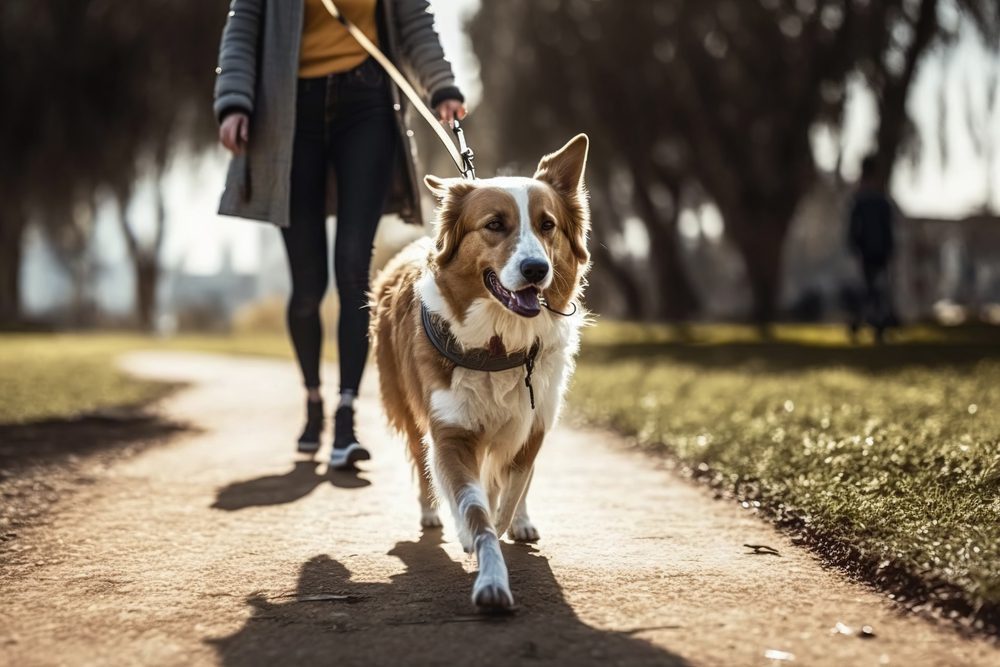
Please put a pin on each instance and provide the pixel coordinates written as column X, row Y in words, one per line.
column 220, row 548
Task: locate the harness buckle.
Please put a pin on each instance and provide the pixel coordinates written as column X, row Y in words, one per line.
column 529, row 367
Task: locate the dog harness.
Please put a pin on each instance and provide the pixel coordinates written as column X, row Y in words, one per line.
column 478, row 358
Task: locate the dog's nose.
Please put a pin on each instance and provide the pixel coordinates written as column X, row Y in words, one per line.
column 534, row 270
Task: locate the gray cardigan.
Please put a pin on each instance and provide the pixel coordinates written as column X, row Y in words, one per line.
column 258, row 74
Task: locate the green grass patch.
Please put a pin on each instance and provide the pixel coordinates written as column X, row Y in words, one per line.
column 889, row 454
column 63, row 376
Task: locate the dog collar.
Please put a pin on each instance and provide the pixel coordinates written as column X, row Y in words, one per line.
column 478, row 358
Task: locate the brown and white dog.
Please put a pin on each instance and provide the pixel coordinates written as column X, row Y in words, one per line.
column 501, row 244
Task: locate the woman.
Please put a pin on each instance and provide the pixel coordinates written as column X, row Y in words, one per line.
column 315, row 128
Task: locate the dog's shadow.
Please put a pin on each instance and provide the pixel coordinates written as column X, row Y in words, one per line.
column 424, row 616
column 289, row 487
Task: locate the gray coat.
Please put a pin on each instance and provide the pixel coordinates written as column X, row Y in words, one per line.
column 258, row 74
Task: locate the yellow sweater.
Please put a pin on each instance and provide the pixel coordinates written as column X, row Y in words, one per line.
column 327, row 47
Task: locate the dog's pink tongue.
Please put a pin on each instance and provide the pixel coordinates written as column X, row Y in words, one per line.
column 526, row 302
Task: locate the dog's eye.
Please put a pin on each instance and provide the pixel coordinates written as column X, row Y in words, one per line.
column 495, row 224
column 548, row 224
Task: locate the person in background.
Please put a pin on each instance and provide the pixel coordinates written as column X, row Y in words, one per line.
column 871, row 239
column 315, row 129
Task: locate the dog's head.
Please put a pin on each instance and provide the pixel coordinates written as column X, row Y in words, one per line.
column 515, row 239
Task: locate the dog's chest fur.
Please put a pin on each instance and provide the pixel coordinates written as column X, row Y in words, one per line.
column 498, row 404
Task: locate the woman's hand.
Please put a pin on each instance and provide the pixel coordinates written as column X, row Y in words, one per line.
column 449, row 110
column 234, row 133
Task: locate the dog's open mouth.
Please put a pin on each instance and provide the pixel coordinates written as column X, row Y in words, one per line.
column 523, row 302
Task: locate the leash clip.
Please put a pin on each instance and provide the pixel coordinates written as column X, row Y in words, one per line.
column 468, row 169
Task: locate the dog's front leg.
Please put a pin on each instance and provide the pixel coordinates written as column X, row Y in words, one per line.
column 517, row 477
column 457, row 454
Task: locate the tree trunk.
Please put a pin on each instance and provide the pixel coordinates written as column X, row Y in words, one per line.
column 761, row 247
column 624, row 287
column 11, row 250
column 893, row 118
column 147, row 279
column 618, row 276
column 677, row 298
column 83, row 308
column 70, row 232
column 145, row 260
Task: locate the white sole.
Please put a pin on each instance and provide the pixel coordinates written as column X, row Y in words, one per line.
column 308, row 447
column 348, row 456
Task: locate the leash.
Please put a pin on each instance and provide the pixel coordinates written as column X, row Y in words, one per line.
column 461, row 156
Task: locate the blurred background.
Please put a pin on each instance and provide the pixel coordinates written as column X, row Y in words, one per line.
column 727, row 137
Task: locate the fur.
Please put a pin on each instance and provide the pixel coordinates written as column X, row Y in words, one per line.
column 472, row 435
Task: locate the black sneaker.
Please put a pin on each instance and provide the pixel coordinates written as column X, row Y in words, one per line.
column 346, row 449
column 309, row 440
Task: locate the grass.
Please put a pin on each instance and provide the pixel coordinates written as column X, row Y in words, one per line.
column 49, row 377
column 61, row 377
column 888, row 459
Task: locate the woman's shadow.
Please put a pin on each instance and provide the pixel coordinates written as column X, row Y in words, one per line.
column 293, row 485
column 424, row 616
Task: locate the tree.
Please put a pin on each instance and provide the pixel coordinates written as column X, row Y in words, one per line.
column 557, row 81
column 145, row 257
column 721, row 93
column 100, row 92
column 917, row 28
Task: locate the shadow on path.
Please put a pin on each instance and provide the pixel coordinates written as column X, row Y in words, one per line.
column 788, row 357
column 423, row 616
column 294, row 485
column 42, row 464
column 49, row 441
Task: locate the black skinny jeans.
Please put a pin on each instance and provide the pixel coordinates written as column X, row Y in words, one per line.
column 346, row 118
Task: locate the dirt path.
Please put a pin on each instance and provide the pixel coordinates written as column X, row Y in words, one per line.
column 219, row 549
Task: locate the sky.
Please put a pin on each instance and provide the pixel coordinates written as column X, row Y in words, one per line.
column 198, row 239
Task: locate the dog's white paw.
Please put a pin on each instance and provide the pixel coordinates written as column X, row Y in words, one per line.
column 465, row 538
column 522, row 530
column 429, row 519
column 492, row 593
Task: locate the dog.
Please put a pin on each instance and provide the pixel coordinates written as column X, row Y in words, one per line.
column 475, row 335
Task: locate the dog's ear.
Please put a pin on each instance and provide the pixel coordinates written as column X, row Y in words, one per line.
column 440, row 187
column 563, row 170
column 450, row 193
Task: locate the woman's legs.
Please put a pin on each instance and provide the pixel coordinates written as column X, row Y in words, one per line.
column 305, row 238
column 363, row 141
column 347, row 119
